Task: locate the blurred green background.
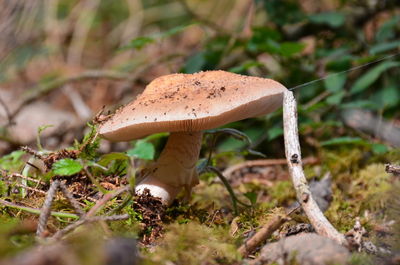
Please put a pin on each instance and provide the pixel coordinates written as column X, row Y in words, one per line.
column 61, row 61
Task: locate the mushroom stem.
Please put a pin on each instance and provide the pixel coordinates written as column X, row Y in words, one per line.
column 175, row 168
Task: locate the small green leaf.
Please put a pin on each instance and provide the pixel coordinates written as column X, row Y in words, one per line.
column 387, row 30
column 245, row 66
column 335, row 82
column 139, row 43
column 379, row 148
column 291, row 48
column 12, row 161
column 371, row 76
column 336, row 98
column 360, row 104
column 156, row 136
column 194, row 63
column 344, row 140
column 384, row 47
column 142, row 150
column 66, row 167
column 107, row 158
column 275, row 132
column 252, row 196
column 333, row 19
column 175, row 30
column 388, row 96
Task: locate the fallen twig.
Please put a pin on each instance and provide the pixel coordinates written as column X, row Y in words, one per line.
column 355, row 238
column 43, row 89
column 37, row 211
column 355, row 235
column 262, row 163
column 293, row 156
column 24, row 187
column 392, row 169
column 7, row 112
column 264, row 233
column 17, row 175
column 78, row 223
column 74, row 203
column 107, row 197
column 45, row 211
column 37, row 154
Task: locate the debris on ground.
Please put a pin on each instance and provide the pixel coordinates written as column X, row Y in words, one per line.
column 151, row 211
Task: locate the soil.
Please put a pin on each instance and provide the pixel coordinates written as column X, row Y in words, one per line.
column 152, row 212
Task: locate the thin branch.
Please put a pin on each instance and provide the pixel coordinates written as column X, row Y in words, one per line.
column 293, row 156
column 317, row 99
column 74, row 203
column 8, row 113
column 259, row 163
column 43, row 89
column 393, row 169
column 94, row 181
column 37, row 211
column 264, row 233
column 26, row 187
column 33, row 152
column 45, row 211
column 355, row 235
column 121, row 206
column 17, row 175
column 107, row 197
column 78, row 223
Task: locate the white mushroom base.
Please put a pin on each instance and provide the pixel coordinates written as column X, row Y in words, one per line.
column 158, row 189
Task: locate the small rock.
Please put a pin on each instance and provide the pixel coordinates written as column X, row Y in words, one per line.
column 321, row 191
column 305, row 249
column 38, row 114
column 121, row 251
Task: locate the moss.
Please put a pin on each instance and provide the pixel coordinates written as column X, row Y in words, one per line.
column 392, row 213
column 282, row 193
column 360, row 259
column 356, row 193
column 342, row 160
column 207, row 195
column 12, row 241
column 193, row 243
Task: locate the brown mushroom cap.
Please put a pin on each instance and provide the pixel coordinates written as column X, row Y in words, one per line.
column 193, row 102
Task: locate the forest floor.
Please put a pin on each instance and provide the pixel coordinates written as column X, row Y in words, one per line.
column 348, row 183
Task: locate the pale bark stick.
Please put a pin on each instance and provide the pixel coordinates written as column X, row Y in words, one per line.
column 293, row 156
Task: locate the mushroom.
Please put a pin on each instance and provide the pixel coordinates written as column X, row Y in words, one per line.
column 185, row 105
